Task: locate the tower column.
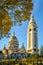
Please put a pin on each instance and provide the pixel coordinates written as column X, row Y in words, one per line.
column 32, row 41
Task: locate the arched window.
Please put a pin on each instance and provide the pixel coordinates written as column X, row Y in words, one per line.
column 34, row 29
column 29, row 29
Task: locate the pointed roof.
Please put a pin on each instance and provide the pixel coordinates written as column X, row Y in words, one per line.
column 13, row 33
column 22, row 50
column 32, row 21
column 23, row 47
column 4, row 48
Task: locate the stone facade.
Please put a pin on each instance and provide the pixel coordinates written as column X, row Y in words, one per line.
column 14, row 51
column 32, row 34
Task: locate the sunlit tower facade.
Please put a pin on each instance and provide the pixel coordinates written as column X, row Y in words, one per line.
column 32, row 36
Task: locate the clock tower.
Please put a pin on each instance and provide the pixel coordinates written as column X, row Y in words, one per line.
column 32, row 37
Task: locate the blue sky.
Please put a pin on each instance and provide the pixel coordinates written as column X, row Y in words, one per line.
column 21, row 31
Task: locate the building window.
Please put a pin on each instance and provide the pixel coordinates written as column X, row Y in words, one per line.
column 34, row 29
column 29, row 29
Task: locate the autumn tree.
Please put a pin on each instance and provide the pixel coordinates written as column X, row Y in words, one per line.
column 13, row 11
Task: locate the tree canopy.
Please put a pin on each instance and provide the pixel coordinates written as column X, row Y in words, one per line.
column 41, row 50
column 13, row 11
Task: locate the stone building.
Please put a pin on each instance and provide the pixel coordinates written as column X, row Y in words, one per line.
column 32, row 36
column 14, row 51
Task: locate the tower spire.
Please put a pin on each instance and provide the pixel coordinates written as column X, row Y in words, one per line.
column 13, row 33
column 4, row 45
column 32, row 19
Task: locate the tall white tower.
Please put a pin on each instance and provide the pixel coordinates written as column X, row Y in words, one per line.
column 32, row 40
